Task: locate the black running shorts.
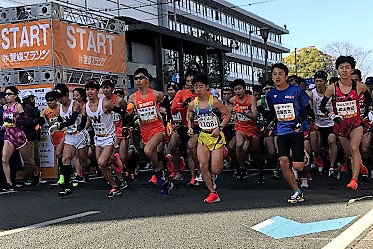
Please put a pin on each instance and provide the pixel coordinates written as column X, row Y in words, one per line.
column 293, row 142
column 324, row 135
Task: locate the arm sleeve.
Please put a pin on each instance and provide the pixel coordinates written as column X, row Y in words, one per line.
column 323, row 109
column 70, row 121
column 175, row 107
column 83, row 122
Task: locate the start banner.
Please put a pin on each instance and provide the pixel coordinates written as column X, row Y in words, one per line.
column 26, row 44
column 85, row 48
column 38, row 43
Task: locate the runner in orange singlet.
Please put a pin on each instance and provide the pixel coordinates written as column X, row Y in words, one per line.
column 147, row 101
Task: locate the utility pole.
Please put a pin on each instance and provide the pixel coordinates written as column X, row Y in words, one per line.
column 175, row 15
column 264, row 33
column 251, row 58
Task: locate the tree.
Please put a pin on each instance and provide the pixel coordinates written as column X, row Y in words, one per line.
column 363, row 57
column 310, row 60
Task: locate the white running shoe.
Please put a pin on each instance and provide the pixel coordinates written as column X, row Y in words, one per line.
column 304, row 183
column 199, row 178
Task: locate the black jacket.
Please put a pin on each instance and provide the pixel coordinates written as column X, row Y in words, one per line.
column 32, row 115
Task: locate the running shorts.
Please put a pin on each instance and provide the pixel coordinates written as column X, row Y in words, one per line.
column 16, row 137
column 250, row 130
column 57, row 137
column 324, row 134
column 147, row 132
column 78, row 140
column 348, row 125
column 110, row 140
column 212, row 143
column 293, row 142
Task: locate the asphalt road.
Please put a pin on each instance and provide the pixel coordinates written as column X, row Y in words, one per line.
column 140, row 218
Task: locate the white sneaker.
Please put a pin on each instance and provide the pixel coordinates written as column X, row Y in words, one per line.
column 295, row 173
column 304, row 183
column 199, row 178
column 178, row 176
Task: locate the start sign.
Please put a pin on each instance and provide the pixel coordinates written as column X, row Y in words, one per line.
column 26, row 44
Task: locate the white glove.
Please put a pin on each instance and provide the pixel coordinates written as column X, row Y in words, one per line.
column 370, row 116
column 53, row 129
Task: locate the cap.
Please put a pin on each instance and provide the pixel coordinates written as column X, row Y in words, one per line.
column 25, row 94
column 369, row 81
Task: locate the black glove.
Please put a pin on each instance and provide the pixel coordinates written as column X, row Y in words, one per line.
column 186, row 102
column 336, row 119
column 297, row 125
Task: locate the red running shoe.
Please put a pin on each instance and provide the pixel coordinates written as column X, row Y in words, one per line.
column 153, row 180
column 213, row 197
column 319, row 162
column 363, row 170
column 343, row 168
column 119, row 163
column 172, row 175
column 193, row 182
column 353, row 184
column 169, row 164
column 182, row 164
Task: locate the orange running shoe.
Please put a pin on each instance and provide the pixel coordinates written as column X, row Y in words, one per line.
column 353, row 184
column 213, row 197
column 153, row 180
column 119, row 163
column 363, row 170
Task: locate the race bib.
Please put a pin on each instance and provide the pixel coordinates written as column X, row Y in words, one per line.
column 208, row 122
column 285, row 112
column 52, row 121
column 177, row 117
column 72, row 128
column 346, row 109
column 100, row 129
column 148, row 113
column 242, row 118
column 116, row 117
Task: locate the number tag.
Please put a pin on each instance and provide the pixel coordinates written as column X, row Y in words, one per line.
column 347, row 109
column 100, row 129
column 148, row 113
column 285, row 112
column 177, row 117
column 116, row 117
column 208, row 122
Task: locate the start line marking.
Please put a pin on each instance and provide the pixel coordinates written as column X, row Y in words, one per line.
column 47, row 223
column 351, row 233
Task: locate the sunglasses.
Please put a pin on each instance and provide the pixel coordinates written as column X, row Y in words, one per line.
column 9, row 94
column 139, row 78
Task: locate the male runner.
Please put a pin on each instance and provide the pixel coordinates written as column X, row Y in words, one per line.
column 146, row 102
column 346, row 114
column 288, row 106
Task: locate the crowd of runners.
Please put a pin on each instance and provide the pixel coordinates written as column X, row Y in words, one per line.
column 283, row 125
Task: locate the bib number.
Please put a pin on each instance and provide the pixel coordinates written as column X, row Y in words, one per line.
column 346, row 109
column 116, row 117
column 100, row 129
column 177, row 117
column 285, row 112
column 148, row 113
column 208, row 122
column 242, row 118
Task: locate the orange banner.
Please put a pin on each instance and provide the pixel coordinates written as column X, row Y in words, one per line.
column 26, row 44
column 85, row 48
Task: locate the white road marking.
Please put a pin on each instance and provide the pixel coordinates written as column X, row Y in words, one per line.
column 46, row 223
column 351, row 233
column 262, row 224
column 8, row 192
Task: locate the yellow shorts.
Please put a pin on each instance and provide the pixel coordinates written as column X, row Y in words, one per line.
column 212, row 143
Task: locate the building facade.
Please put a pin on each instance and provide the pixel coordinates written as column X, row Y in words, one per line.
column 198, row 27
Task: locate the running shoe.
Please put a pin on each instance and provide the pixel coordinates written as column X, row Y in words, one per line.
column 212, row 198
column 276, row 175
column 332, row 172
column 122, row 185
column 160, row 178
column 353, row 184
column 64, row 192
column 304, row 183
column 182, row 164
column 114, row 192
column 42, row 180
column 364, row 173
column 296, row 197
column 343, row 168
column 199, row 178
column 172, row 175
column 319, row 163
column 80, row 179
column 153, row 180
column 166, row 188
column 193, row 182
column 261, row 178
column 119, row 163
column 61, row 181
column 178, row 176
column 240, row 173
column 213, row 179
column 8, row 187
column 170, row 165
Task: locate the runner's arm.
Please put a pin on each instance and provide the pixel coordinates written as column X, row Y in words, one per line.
column 327, row 95
column 224, row 110
column 190, row 115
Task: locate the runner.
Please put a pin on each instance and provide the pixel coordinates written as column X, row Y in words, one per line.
column 14, row 118
column 75, row 139
column 346, row 115
column 246, row 129
column 180, row 107
column 367, row 134
column 99, row 111
column 324, row 136
column 120, row 152
column 51, row 113
column 228, row 130
column 288, row 106
column 211, row 139
column 147, row 101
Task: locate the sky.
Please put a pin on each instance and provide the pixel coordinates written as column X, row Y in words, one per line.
column 318, row 22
